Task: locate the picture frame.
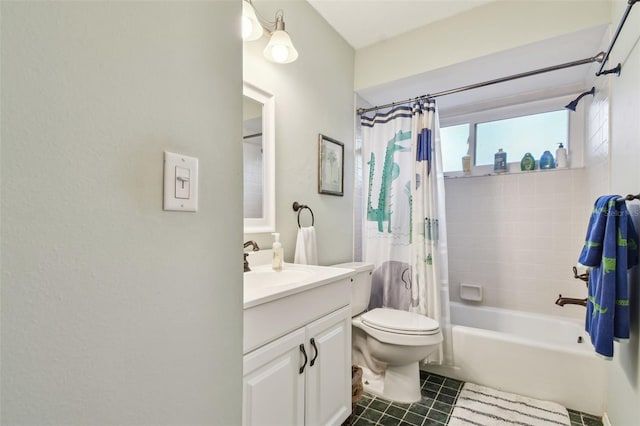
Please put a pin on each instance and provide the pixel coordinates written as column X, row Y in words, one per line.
column 330, row 166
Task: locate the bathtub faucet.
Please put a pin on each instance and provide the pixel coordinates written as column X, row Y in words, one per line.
column 561, row 301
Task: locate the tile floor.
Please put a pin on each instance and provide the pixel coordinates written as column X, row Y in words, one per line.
column 439, row 395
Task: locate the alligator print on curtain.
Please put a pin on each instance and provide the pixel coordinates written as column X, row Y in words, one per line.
column 404, row 228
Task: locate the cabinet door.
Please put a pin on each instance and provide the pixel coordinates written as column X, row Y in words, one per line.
column 272, row 385
column 328, row 393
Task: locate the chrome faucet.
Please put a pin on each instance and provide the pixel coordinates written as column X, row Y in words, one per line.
column 255, row 248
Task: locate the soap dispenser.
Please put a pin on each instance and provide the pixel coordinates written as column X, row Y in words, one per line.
column 276, row 262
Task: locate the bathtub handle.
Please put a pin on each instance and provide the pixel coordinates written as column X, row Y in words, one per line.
column 584, row 277
column 305, row 358
column 315, row 348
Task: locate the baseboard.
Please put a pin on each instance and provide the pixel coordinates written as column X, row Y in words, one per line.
column 605, row 420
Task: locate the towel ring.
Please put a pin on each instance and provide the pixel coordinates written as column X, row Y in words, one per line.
column 297, row 207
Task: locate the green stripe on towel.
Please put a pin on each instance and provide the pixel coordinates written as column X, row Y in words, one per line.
column 609, row 264
column 622, row 242
column 597, row 309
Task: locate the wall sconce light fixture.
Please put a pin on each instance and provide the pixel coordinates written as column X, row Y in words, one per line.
column 251, row 28
column 280, row 48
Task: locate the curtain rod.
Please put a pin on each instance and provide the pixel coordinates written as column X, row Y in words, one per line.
column 598, row 58
column 630, row 4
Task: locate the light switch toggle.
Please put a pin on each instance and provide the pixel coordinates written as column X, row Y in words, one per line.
column 180, row 182
column 183, row 182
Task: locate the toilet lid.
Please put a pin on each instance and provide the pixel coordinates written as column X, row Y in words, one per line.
column 394, row 320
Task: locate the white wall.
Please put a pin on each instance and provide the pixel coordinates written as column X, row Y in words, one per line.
column 487, row 29
column 113, row 310
column 312, row 95
column 624, row 381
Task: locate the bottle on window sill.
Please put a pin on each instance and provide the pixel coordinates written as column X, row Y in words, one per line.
column 561, row 157
column 547, row 161
column 528, row 163
column 500, row 162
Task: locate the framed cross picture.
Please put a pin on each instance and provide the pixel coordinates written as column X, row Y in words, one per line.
column 330, row 166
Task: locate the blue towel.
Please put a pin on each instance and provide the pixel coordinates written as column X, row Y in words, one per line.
column 610, row 248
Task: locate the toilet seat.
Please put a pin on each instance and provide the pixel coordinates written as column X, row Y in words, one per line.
column 401, row 322
column 415, row 332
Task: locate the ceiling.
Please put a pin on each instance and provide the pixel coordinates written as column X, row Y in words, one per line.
column 365, row 22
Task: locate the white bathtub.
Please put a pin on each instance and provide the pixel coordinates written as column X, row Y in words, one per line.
column 528, row 354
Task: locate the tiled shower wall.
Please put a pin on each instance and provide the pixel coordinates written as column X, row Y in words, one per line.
column 518, row 235
column 597, row 140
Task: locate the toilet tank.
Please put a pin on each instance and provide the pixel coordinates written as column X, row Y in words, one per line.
column 361, row 286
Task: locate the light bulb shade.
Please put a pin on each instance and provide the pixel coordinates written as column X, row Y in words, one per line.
column 251, row 28
column 280, row 48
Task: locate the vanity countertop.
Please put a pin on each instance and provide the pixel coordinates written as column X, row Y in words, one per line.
column 262, row 284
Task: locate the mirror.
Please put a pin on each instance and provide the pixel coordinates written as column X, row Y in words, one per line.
column 258, row 151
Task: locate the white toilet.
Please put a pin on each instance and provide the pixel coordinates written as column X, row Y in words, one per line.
column 388, row 343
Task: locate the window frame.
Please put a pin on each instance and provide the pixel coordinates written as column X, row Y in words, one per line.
column 575, row 137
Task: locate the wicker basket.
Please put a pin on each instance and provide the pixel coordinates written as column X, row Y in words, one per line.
column 356, row 393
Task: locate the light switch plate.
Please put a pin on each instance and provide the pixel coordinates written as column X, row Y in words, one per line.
column 180, row 182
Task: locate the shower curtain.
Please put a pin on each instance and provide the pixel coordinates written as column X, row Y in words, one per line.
column 404, row 226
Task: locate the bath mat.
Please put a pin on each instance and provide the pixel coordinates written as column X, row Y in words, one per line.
column 482, row 406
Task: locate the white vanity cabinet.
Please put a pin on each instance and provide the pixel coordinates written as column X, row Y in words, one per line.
column 301, row 375
column 272, row 387
column 283, row 385
column 328, row 381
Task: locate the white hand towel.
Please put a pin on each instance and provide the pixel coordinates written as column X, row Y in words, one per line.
column 306, row 249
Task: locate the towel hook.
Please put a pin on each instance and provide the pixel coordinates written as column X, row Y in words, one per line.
column 297, row 207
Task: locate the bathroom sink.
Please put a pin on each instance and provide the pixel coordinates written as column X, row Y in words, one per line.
column 271, row 278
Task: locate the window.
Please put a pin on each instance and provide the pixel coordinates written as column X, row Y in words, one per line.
column 535, row 133
column 455, row 145
column 534, row 128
